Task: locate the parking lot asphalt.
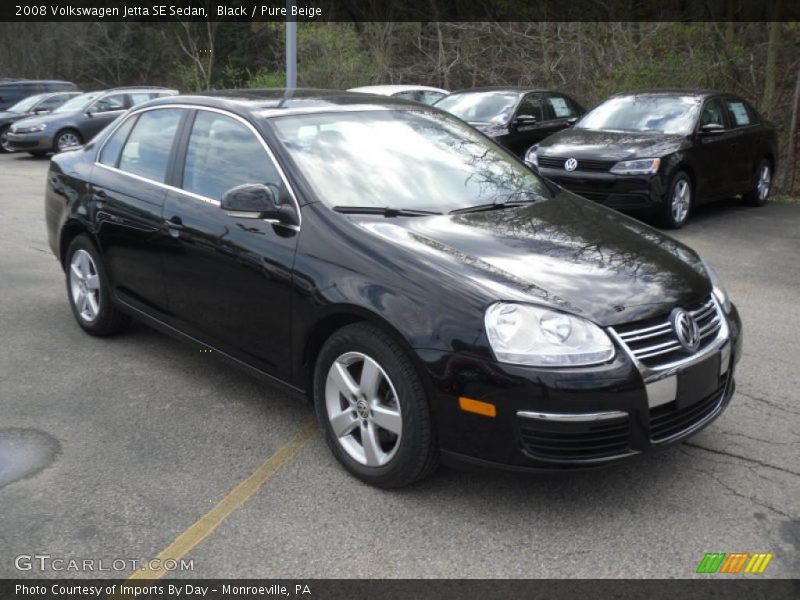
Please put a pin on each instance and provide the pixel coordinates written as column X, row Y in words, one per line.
column 149, row 435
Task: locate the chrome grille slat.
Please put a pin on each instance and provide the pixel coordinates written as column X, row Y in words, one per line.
column 654, row 345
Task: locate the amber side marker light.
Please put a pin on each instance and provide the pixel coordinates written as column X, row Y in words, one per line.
column 484, row 409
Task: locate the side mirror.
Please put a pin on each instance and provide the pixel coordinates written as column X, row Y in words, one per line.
column 89, row 113
column 258, row 201
column 572, row 120
column 712, row 128
column 524, row 120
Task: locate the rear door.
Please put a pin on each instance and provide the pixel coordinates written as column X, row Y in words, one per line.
column 745, row 142
column 129, row 191
column 229, row 277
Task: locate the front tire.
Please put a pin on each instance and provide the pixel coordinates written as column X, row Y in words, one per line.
column 4, row 144
column 373, row 408
column 88, row 291
column 69, row 138
column 759, row 194
column 677, row 204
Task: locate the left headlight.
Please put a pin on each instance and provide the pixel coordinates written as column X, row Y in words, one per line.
column 644, row 166
column 530, row 157
column 523, row 334
column 719, row 291
column 30, row 129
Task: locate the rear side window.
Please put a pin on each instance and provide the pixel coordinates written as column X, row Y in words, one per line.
column 739, row 113
column 139, row 97
column 110, row 153
column 562, row 106
column 223, row 153
column 147, row 150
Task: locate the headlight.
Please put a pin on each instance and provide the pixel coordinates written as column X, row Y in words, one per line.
column 719, row 291
column 644, row 166
column 30, row 129
column 523, row 334
column 530, row 156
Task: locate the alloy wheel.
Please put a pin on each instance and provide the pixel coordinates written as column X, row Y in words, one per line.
column 84, row 284
column 764, row 181
column 363, row 409
column 67, row 140
column 681, row 199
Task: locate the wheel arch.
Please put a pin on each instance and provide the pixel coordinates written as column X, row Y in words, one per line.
column 338, row 317
column 69, row 231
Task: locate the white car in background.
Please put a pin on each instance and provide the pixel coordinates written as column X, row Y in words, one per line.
column 419, row 93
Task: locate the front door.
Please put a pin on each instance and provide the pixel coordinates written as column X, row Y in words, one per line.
column 101, row 113
column 229, row 277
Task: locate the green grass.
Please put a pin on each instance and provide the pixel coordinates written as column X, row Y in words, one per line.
column 784, row 199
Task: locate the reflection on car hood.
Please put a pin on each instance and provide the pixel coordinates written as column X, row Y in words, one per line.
column 598, row 144
column 567, row 253
column 7, row 117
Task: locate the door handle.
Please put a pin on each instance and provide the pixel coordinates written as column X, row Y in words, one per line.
column 174, row 222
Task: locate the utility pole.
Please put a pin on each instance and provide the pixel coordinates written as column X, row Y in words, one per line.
column 291, row 47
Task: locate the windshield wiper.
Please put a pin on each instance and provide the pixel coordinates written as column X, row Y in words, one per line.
column 492, row 206
column 384, row 211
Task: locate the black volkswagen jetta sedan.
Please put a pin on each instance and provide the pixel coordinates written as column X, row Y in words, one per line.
column 433, row 296
column 514, row 117
column 663, row 152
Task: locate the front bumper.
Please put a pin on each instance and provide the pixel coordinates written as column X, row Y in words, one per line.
column 620, row 192
column 559, row 419
column 39, row 141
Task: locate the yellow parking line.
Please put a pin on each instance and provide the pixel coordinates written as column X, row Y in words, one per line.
column 205, row 525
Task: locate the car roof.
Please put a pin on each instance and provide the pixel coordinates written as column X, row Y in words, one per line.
column 700, row 93
column 277, row 102
column 11, row 80
column 388, row 90
column 504, row 88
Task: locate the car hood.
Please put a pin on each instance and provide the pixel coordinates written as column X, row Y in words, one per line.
column 7, row 117
column 566, row 253
column 598, row 144
column 39, row 119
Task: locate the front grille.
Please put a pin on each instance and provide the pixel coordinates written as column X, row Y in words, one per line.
column 577, row 441
column 654, row 344
column 668, row 421
column 551, row 162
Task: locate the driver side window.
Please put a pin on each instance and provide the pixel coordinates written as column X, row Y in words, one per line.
column 712, row 114
column 109, row 103
column 531, row 106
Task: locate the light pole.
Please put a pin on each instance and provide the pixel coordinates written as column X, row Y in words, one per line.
column 291, row 47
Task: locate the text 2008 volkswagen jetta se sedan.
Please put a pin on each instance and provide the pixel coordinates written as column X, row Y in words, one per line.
column 433, row 296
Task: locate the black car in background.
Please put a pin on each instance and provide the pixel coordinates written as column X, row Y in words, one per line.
column 78, row 120
column 515, row 117
column 430, row 293
column 32, row 105
column 14, row 90
column 663, row 152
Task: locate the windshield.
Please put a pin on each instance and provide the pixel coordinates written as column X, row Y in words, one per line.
column 78, row 102
column 405, row 160
column 26, row 104
column 481, row 107
column 655, row 113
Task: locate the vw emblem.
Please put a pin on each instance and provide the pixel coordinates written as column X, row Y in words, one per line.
column 686, row 329
column 571, row 164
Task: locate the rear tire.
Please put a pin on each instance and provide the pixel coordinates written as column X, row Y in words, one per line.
column 38, row 153
column 88, row 290
column 373, row 408
column 677, row 204
column 759, row 194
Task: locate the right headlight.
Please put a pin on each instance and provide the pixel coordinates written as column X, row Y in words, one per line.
column 523, row 334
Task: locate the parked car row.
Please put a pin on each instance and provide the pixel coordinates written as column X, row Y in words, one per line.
column 75, row 121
